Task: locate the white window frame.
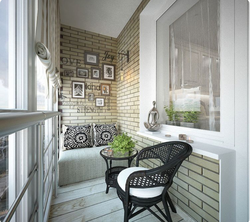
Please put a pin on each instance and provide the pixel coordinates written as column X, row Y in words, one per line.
column 12, row 55
column 148, row 67
column 23, row 97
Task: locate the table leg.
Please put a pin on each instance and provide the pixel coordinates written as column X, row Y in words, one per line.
column 107, row 189
column 129, row 162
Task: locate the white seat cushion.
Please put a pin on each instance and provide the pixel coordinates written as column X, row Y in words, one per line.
column 138, row 192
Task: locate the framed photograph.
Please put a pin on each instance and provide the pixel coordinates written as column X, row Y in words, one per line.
column 108, row 71
column 68, row 72
column 91, row 58
column 95, row 73
column 105, row 89
column 91, row 97
column 99, row 102
column 82, row 73
column 78, row 90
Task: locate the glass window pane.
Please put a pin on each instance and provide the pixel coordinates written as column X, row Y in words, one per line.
column 4, row 204
column 41, row 86
column 193, row 64
column 7, row 54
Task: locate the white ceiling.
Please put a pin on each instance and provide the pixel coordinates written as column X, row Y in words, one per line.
column 106, row 17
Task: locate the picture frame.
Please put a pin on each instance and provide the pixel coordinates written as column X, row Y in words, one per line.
column 78, row 90
column 108, row 72
column 68, row 73
column 91, row 58
column 99, row 102
column 105, row 89
column 95, row 73
column 82, row 73
column 91, row 97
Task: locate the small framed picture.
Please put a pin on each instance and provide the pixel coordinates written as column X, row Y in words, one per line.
column 91, row 58
column 68, row 72
column 108, row 71
column 78, row 90
column 82, row 73
column 99, row 102
column 105, row 89
column 91, row 97
column 95, row 73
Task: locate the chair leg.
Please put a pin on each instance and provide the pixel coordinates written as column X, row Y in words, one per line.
column 125, row 215
column 170, row 203
column 167, row 210
column 127, row 208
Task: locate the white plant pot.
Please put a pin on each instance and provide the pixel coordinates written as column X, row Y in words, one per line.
column 185, row 124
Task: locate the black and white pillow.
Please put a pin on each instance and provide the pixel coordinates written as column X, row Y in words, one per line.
column 78, row 137
column 104, row 134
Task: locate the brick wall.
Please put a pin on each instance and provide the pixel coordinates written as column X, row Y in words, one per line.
column 196, row 186
column 74, row 42
column 128, row 99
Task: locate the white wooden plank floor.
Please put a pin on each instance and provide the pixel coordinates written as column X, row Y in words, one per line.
column 87, row 201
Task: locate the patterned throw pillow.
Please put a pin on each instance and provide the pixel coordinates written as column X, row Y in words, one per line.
column 78, row 137
column 104, row 134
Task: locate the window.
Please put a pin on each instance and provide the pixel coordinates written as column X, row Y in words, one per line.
column 13, row 91
column 7, row 54
column 4, row 203
column 41, row 86
column 188, row 64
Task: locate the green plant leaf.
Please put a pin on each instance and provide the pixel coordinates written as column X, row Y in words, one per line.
column 171, row 113
column 122, row 143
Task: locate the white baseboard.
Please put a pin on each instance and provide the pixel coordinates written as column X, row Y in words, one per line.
column 184, row 215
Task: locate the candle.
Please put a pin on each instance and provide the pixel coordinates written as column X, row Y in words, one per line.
column 110, row 152
column 189, row 140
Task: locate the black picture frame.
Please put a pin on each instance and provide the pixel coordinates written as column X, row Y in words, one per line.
column 82, row 73
column 96, row 73
column 99, row 102
column 91, row 58
column 78, row 90
column 108, row 72
column 105, row 89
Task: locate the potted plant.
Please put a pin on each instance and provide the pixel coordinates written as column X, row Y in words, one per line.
column 122, row 143
column 190, row 118
column 173, row 116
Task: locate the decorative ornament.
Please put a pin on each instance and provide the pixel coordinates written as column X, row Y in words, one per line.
column 153, row 117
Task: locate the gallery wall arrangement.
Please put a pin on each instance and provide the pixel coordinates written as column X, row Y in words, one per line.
column 88, row 71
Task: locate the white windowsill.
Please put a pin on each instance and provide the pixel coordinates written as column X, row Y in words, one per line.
column 208, row 150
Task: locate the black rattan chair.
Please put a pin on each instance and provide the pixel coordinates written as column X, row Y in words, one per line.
column 142, row 187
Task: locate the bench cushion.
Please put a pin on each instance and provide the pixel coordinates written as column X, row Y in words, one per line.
column 80, row 164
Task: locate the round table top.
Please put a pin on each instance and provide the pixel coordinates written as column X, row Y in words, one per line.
column 108, row 153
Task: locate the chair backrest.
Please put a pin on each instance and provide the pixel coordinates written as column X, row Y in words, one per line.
column 166, row 151
column 171, row 154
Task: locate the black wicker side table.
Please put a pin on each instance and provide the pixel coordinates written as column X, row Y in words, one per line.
column 112, row 172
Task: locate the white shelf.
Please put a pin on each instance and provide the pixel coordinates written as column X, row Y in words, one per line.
column 208, row 150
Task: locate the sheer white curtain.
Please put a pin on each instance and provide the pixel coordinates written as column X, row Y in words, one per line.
column 48, row 37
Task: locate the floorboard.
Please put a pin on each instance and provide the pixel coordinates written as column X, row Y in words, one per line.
column 87, row 201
